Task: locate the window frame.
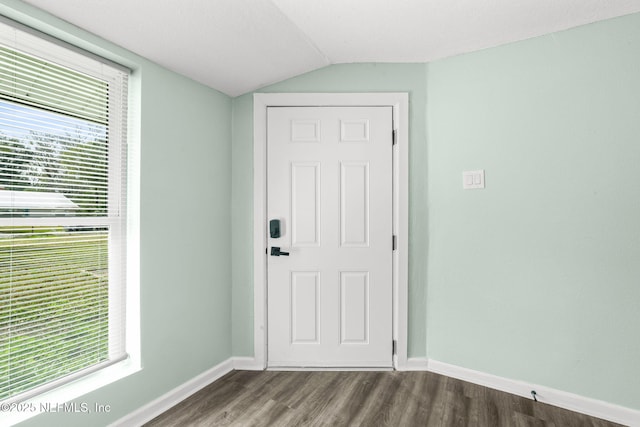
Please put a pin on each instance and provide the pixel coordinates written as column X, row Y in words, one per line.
column 122, row 218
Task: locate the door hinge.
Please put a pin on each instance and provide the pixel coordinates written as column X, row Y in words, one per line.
column 394, row 243
column 394, row 137
column 393, row 347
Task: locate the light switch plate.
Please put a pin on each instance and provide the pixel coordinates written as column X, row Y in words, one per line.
column 472, row 180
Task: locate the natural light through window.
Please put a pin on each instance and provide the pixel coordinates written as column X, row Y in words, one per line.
column 62, row 214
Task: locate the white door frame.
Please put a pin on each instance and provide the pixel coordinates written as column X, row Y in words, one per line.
column 400, row 104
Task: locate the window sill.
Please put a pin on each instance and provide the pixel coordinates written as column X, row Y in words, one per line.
column 55, row 400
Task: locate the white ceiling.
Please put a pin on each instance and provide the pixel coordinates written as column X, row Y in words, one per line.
column 237, row 46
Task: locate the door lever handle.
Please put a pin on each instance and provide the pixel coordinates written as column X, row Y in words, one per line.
column 275, row 251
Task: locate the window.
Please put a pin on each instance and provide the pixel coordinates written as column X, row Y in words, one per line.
column 62, row 213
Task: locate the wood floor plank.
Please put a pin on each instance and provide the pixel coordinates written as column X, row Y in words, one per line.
column 417, row 409
column 499, row 413
column 523, row 420
column 323, row 399
column 408, row 404
column 348, row 403
column 380, row 410
column 436, row 389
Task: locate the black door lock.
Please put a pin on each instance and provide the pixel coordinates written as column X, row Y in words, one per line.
column 275, row 251
column 274, row 228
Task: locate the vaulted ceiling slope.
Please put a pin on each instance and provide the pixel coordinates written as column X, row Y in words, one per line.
column 237, row 46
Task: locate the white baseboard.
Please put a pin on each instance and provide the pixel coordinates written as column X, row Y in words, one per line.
column 562, row 399
column 246, row 364
column 175, row 396
column 414, row 364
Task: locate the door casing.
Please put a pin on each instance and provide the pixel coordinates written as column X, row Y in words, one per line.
column 400, row 104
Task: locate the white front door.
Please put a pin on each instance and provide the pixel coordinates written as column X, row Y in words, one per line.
column 329, row 184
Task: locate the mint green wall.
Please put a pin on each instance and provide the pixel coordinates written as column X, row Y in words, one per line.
column 185, row 195
column 537, row 277
column 338, row 78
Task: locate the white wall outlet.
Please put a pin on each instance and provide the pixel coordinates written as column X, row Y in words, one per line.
column 473, row 179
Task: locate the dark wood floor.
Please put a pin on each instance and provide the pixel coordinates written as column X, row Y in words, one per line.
column 251, row 398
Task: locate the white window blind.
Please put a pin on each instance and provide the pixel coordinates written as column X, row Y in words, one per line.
column 62, row 213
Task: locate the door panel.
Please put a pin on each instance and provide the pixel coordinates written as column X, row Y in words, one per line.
column 305, row 204
column 329, row 172
column 305, row 301
column 354, row 307
column 354, row 204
